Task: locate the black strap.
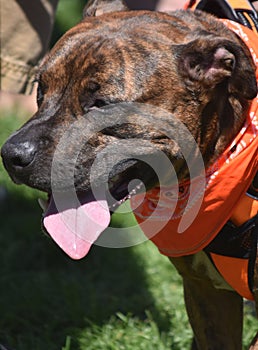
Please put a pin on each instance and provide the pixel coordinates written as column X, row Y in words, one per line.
column 239, row 242
column 242, row 12
column 235, row 241
column 253, row 261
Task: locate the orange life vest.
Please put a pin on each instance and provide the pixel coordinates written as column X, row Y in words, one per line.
column 227, row 180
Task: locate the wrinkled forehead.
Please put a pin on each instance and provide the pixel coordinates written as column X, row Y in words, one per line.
column 75, row 54
column 97, row 43
column 74, row 43
column 130, row 34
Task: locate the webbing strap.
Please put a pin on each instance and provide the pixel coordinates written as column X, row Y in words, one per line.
column 241, row 11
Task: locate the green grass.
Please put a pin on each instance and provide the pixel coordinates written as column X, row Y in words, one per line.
column 114, row 299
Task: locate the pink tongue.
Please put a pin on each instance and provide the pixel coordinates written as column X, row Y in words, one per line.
column 75, row 227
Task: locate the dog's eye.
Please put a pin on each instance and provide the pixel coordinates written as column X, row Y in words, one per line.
column 99, row 103
column 91, row 97
column 90, row 103
column 93, row 87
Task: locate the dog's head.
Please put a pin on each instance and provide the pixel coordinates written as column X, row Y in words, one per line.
column 123, row 76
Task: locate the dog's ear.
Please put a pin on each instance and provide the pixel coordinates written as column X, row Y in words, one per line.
column 99, row 7
column 212, row 61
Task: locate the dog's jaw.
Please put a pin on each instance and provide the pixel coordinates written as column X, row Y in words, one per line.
column 75, row 220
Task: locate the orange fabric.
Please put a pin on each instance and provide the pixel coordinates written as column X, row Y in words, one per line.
column 187, row 5
column 251, row 22
column 239, row 4
column 245, row 209
column 235, row 272
column 235, row 4
column 226, row 182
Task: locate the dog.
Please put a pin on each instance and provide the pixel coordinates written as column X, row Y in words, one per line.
column 157, row 80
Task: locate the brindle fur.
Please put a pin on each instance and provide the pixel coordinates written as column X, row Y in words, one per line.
column 162, row 60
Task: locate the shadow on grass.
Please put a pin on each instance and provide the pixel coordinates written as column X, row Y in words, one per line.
column 45, row 296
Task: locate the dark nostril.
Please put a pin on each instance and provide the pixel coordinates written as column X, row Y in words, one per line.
column 18, row 154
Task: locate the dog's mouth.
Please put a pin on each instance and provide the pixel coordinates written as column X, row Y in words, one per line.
column 75, row 227
column 75, row 220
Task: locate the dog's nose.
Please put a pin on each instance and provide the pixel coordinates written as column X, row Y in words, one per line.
column 18, row 155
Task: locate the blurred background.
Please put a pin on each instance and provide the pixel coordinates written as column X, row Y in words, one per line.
column 115, row 299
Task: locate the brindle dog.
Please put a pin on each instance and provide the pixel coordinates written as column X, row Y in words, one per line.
column 188, row 64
